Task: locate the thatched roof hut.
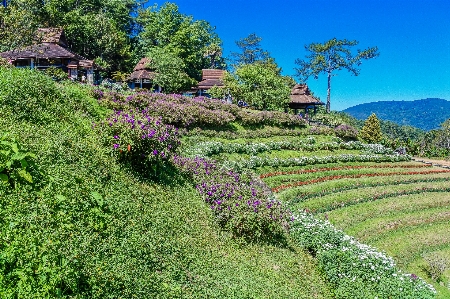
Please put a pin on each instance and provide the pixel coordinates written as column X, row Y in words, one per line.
column 210, row 78
column 143, row 70
column 301, row 98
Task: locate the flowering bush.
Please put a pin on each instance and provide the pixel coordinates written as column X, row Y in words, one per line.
column 355, row 270
column 346, row 132
column 241, row 203
column 209, row 148
column 144, row 141
column 272, row 118
column 255, row 162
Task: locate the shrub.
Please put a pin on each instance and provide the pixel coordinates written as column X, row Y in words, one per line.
column 240, row 203
column 353, row 269
column 346, row 132
column 371, row 131
column 56, row 74
column 143, row 141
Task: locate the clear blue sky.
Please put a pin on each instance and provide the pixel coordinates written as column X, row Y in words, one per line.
column 413, row 37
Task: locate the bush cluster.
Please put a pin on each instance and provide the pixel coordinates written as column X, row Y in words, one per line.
column 193, row 112
column 353, row 269
column 141, row 140
column 255, row 162
column 240, row 202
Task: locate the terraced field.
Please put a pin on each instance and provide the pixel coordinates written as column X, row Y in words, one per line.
column 402, row 208
column 393, row 204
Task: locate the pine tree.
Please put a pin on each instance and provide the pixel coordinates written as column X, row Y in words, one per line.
column 371, row 131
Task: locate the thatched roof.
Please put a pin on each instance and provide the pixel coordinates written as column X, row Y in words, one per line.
column 301, row 97
column 43, row 51
column 210, row 78
column 52, row 45
column 51, row 35
column 143, row 70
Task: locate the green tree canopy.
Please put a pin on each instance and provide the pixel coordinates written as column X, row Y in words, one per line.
column 17, row 27
column 100, row 28
column 169, row 70
column 371, row 131
column 260, row 85
column 251, row 51
column 194, row 41
column 333, row 55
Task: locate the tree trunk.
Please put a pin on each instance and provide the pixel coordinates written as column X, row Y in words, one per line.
column 328, row 92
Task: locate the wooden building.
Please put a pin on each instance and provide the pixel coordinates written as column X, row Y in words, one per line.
column 143, row 75
column 301, row 98
column 210, row 78
column 51, row 51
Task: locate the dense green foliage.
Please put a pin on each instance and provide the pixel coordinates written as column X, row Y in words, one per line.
column 426, row 114
column 260, row 85
column 193, row 41
column 93, row 28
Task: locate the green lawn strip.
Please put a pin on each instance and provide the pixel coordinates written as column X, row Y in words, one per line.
column 351, row 216
column 383, row 224
column 352, row 197
column 268, row 169
column 421, row 267
column 401, row 172
column 292, row 178
column 409, row 243
column 303, row 193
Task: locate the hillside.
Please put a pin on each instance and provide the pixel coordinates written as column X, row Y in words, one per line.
column 426, row 114
column 107, row 194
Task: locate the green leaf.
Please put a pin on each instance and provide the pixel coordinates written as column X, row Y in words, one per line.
column 98, row 197
column 4, row 177
column 25, row 175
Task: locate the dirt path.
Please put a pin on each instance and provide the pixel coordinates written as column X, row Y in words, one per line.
column 442, row 163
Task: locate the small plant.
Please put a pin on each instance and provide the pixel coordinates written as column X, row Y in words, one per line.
column 436, row 266
column 15, row 162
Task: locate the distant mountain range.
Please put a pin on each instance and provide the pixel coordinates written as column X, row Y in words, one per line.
column 426, row 114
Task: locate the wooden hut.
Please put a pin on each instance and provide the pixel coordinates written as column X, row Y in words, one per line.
column 301, row 98
column 50, row 50
column 210, row 78
column 142, row 75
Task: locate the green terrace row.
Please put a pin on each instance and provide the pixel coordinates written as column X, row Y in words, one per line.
column 351, row 197
column 283, row 179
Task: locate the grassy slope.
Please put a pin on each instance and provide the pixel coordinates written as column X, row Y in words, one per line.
column 141, row 239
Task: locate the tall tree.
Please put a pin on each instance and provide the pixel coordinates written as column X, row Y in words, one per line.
column 333, row 55
column 189, row 39
column 251, row 50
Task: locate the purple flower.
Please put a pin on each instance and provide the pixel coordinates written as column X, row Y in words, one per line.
column 155, row 152
column 116, row 137
column 116, row 145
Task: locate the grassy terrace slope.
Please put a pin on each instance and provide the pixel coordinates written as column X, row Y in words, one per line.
column 402, row 208
column 90, row 227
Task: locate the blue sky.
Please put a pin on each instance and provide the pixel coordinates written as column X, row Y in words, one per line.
column 413, row 37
